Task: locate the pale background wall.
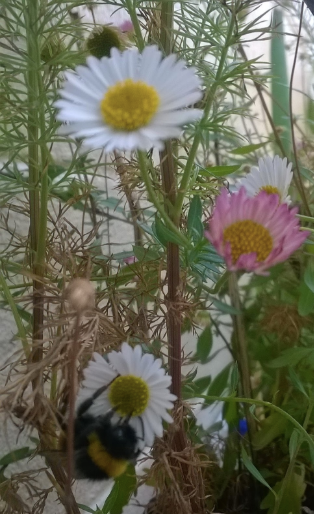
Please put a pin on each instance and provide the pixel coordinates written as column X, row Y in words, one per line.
column 86, row 492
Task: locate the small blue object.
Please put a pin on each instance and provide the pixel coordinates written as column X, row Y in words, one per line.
column 242, row 427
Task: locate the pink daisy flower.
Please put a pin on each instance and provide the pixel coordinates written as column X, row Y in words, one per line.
column 254, row 233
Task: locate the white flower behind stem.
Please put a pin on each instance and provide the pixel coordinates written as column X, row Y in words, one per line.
column 136, row 383
column 272, row 175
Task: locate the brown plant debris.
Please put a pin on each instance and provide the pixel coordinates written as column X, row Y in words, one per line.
column 178, row 473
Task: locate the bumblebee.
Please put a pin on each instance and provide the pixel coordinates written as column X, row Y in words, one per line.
column 102, row 449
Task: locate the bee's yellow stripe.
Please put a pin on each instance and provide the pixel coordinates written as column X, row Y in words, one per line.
column 99, row 455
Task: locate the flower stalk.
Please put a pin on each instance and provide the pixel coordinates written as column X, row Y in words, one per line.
column 38, row 160
column 137, row 28
column 155, row 201
column 185, row 181
column 240, row 349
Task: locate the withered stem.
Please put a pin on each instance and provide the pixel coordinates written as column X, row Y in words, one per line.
column 72, row 395
column 173, row 274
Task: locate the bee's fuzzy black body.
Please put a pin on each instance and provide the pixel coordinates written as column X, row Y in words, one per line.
column 115, row 443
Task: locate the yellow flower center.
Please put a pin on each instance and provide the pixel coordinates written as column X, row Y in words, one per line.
column 270, row 190
column 248, row 236
column 129, row 395
column 129, row 105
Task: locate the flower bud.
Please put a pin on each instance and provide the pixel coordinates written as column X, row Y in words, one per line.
column 80, row 294
column 101, row 41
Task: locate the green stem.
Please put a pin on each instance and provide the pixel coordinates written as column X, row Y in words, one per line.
column 198, row 134
column 38, row 209
column 241, row 353
column 42, row 232
column 307, row 228
column 31, row 18
column 15, row 312
column 45, row 159
column 153, row 198
column 19, row 286
column 166, row 22
column 305, row 218
column 297, row 172
column 137, row 28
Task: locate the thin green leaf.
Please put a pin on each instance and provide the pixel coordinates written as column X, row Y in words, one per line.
column 279, row 81
column 291, row 357
column 16, row 455
column 234, row 378
column 54, row 170
column 204, row 345
column 293, row 443
column 219, row 171
column 224, row 307
column 244, row 150
column 309, row 118
column 306, row 300
column 86, row 508
column 219, row 384
column 311, row 454
column 195, row 225
column 254, row 471
column 296, row 382
column 145, row 254
column 270, row 428
column 164, row 234
column 121, row 492
column 309, row 276
column 201, row 384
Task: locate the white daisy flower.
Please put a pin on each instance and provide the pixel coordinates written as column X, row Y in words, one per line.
column 273, row 176
column 104, row 14
column 130, row 101
column 137, row 387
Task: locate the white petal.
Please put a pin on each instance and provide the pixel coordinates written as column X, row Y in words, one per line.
column 159, row 402
column 187, row 99
column 177, row 117
column 160, row 131
column 137, row 361
column 95, row 66
column 155, row 422
column 81, row 114
column 166, row 416
column 149, row 434
column 131, row 141
column 90, row 80
column 119, row 364
column 157, row 380
column 74, row 83
column 101, row 140
column 183, row 101
column 151, row 58
column 87, row 130
column 137, row 424
column 127, row 354
column 177, row 86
